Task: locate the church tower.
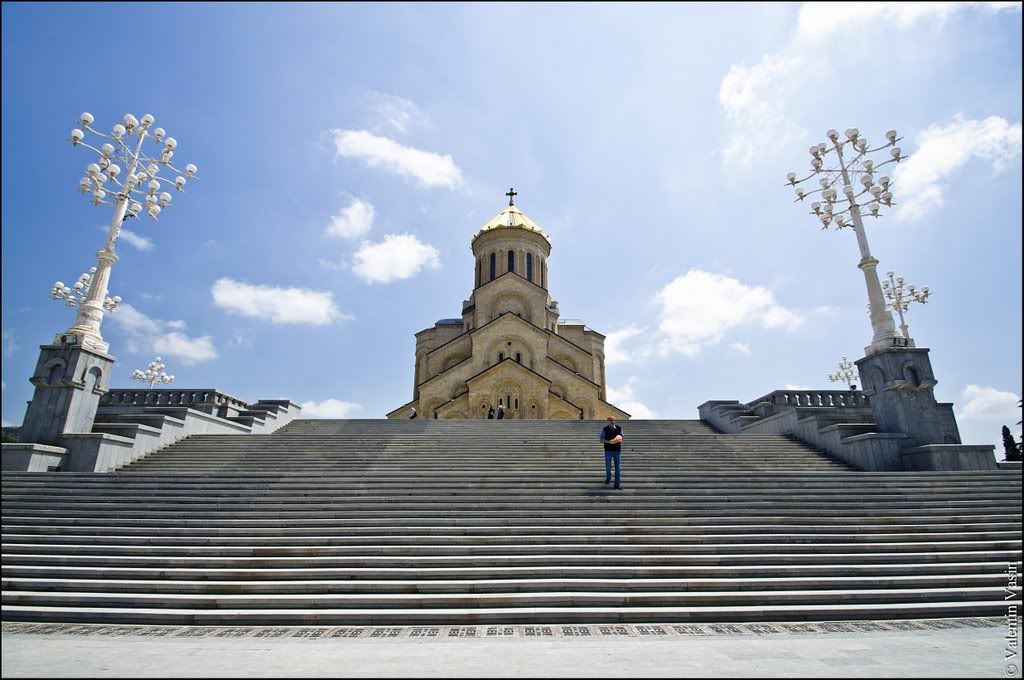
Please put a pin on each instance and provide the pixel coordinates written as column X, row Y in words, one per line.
column 509, row 348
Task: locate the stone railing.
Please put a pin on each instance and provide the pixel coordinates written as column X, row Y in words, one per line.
column 780, row 399
column 209, row 401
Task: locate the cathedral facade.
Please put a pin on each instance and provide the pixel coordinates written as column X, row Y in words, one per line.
column 509, row 348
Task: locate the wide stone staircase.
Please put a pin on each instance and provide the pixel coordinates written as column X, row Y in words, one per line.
column 434, row 522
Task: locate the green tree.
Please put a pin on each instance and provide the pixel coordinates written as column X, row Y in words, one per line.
column 1010, row 445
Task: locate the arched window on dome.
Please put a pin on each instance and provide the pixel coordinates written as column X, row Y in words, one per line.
column 501, row 357
column 511, row 260
column 529, row 267
column 493, row 265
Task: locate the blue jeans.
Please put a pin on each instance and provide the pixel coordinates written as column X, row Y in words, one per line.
column 609, row 456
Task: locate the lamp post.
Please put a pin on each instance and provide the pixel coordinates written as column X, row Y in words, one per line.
column 153, row 374
column 80, row 293
column 140, row 189
column 900, row 299
column 845, row 373
column 847, row 163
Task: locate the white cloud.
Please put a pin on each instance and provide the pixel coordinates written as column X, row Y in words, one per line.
column 353, row 221
column 942, row 151
column 137, row 241
column 395, row 113
column 698, row 308
column 277, row 305
column 625, row 398
column 238, row 339
column 753, row 98
column 329, row 408
column 741, row 347
column 430, row 169
column 982, row 413
column 819, row 20
column 166, row 338
column 398, row 256
column 189, row 350
column 614, row 350
column 8, row 343
column 756, row 98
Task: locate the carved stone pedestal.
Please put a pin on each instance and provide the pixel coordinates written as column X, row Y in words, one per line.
column 900, row 384
column 69, row 380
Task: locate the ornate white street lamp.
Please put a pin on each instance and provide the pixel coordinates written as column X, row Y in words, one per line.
column 847, row 165
column 900, row 298
column 845, row 373
column 73, row 298
column 139, row 189
column 153, row 374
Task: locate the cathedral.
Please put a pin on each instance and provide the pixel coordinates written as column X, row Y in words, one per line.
column 509, row 349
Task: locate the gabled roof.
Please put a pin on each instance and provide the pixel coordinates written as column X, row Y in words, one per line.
column 502, row 363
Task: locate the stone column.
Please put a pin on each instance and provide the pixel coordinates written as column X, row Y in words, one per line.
column 69, row 380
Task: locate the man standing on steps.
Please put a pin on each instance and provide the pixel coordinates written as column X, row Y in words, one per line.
column 611, row 437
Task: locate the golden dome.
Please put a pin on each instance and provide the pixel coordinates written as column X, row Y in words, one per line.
column 512, row 218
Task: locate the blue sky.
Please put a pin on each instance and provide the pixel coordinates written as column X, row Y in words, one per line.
column 347, row 153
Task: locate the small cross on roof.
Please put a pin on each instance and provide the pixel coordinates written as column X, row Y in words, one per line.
column 512, row 196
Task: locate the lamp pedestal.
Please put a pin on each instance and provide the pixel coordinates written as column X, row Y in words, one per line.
column 900, row 384
column 69, row 379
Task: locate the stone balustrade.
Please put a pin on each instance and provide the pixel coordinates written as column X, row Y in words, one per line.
column 780, row 399
column 207, row 400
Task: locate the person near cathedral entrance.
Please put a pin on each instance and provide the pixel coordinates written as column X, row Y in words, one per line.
column 412, row 413
column 490, row 413
column 611, row 437
column 501, row 412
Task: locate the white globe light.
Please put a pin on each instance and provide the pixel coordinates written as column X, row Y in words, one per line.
column 92, row 169
column 179, row 182
column 107, row 149
column 190, row 169
column 159, row 133
column 852, row 133
column 113, row 170
column 77, row 136
column 130, row 121
column 171, row 142
column 153, row 185
column 119, row 131
column 147, row 120
column 86, row 119
column 152, row 170
column 832, row 134
column 891, row 136
column 165, row 197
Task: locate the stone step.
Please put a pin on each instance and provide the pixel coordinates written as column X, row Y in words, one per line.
column 462, row 523
column 522, row 585
column 530, row 615
column 553, row 551
column 399, row 522
column 428, row 533
column 386, row 601
column 415, row 539
column 428, row 573
column 772, row 554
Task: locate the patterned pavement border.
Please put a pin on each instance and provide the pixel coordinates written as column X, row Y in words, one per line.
column 575, row 631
